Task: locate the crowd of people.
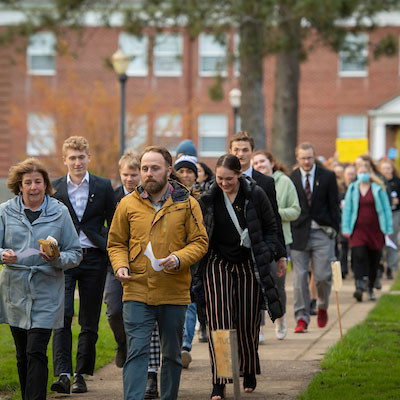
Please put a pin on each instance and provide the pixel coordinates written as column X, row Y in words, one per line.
column 177, row 242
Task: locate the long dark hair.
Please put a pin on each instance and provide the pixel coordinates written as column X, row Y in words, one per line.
column 207, row 171
column 231, row 162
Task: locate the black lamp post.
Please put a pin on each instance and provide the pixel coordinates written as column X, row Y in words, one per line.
column 235, row 101
column 120, row 62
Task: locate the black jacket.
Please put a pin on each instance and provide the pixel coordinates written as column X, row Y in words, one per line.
column 262, row 226
column 99, row 208
column 267, row 183
column 324, row 207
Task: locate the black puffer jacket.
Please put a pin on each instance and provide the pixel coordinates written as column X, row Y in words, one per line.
column 261, row 223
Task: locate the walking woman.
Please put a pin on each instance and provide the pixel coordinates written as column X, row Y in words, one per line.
column 366, row 218
column 236, row 271
column 289, row 210
column 32, row 287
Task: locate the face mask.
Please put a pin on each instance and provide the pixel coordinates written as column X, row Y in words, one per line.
column 363, row 176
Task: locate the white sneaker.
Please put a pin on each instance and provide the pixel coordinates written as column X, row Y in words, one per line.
column 281, row 328
column 186, row 358
column 261, row 339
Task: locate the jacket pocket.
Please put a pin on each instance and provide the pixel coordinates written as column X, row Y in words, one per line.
column 137, row 264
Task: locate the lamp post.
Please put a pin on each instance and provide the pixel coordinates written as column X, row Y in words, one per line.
column 120, row 62
column 235, row 101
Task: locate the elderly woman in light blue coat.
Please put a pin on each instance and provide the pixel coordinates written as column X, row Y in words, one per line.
column 32, row 286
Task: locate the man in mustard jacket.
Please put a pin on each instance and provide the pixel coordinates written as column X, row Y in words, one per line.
column 159, row 212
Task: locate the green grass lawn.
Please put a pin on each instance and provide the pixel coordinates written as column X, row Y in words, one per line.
column 9, row 385
column 367, row 366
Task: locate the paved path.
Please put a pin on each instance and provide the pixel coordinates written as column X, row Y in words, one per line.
column 287, row 366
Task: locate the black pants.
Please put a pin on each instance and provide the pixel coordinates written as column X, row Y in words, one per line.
column 31, row 348
column 91, row 286
column 233, row 301
column 365, row 262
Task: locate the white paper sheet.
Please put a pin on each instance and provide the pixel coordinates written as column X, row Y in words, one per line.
column 27, row 253
column 389, row 242
column 155, row 262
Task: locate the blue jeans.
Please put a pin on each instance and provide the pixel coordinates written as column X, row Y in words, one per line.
column 139, row 319
column 190, row 325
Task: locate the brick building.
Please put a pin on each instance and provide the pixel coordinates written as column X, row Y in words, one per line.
column 339, row 98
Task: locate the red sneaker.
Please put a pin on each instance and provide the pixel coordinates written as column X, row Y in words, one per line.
column 301, row 326
column 322, row 317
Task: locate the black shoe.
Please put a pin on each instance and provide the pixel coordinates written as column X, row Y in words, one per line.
column 79, row 384
column 371, row 294
column 358, row 295
column 313, row 307
column 203, row 337
column 120, row 355
column 378, row 284
column 249, row 382
column 151, row 387
column 389, row 274
column 61, row 385
column 218, row 390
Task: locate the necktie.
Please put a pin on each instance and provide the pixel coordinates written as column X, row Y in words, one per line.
column 307, row 189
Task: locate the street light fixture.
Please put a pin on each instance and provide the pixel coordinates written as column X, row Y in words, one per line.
column 120, row 62
column 235, row 96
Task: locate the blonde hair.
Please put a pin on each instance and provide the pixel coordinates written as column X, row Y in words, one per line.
column 305, row 146
column 16, row 173
column 78, row 143
column 129, row 159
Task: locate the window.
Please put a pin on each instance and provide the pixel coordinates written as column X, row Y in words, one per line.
column 136, row 47
column 212, row 56
column 168, row 55
column 136, row 133
column 41, row 54
column 41, row 135
column 353, row 56
column 352, row 126
column 213, row 130
column 168, row 131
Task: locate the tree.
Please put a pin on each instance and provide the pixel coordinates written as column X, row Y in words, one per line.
column 289, row 29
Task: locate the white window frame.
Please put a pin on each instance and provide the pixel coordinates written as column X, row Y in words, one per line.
column 137, row 48
column 159, row 52
column 47, row 50
column 212, row 53
column 215, row 134
column 236, row 54
column 363, row 133
column 362, row 72
column 41, row 139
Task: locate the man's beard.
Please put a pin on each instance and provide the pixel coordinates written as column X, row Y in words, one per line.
column 154, row 187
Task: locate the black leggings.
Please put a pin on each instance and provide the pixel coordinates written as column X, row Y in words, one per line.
column 365, row 262
column 31, row 348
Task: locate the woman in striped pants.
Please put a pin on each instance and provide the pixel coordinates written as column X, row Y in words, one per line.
column 236, row 272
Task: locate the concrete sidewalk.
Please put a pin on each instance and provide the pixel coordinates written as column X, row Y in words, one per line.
column 287, row 366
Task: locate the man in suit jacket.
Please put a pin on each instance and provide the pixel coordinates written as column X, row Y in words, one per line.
column 313, row 234
column 90, row 201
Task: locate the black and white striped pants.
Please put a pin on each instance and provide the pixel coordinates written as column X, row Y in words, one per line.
column 233, row 301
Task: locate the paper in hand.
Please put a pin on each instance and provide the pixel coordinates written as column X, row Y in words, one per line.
column 27, row 253
column 155, row 262
column 389, row 242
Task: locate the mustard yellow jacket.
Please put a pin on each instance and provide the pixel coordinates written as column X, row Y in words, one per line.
column 176, row 228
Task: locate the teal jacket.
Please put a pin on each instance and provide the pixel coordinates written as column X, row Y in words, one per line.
column 382, row 207
column 32, row 289
column 288, row 203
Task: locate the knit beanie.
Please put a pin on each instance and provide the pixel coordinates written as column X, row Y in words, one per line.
column 187, row 147
column 186, row 161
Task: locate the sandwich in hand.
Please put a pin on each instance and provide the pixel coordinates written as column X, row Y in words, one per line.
column 50, row 247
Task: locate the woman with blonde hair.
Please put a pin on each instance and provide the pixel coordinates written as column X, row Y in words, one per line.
column 366, row 218
column 32, row 285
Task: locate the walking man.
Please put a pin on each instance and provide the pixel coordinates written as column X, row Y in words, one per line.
column 159, row 217
column 90, row 201
column 314, row 235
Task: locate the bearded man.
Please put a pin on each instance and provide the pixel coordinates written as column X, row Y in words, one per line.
column 160, row 214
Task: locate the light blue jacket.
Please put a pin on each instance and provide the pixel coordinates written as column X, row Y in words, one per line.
column 352, row 201
column 32, row 290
